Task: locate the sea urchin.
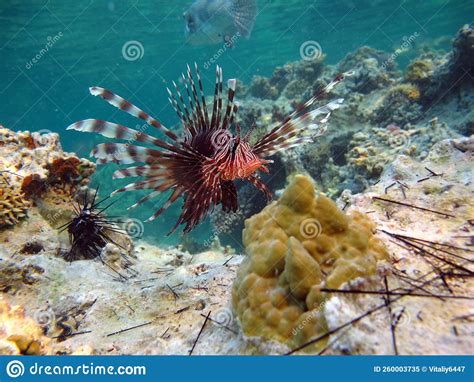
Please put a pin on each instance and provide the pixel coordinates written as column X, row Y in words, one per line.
column 89, row 230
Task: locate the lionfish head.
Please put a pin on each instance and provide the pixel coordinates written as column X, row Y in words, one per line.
column 242, row 162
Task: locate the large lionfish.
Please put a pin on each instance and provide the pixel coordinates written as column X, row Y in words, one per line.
column 203, row 165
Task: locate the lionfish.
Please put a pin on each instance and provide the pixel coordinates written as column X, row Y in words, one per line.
column 204, row 164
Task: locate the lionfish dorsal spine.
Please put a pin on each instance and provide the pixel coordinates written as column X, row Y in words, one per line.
column 199, row 111
column 215, row 102
column 230, row 103
column 203, row 98
column 174, row 103
column 217, row 124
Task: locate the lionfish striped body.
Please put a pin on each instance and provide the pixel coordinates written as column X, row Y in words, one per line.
column 203, row 165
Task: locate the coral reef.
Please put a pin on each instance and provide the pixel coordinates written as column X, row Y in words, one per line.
column 163, row 296
column 399, row 106
column 372, row 70
column 38, row 177
column 296, row 246
column 37, row 163
column 442, row 182
column 441, row 76
column 399, row 151
column 13, row 205
column 386, row 112
column 20, row 334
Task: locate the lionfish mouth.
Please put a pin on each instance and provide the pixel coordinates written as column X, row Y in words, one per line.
column 201, row 166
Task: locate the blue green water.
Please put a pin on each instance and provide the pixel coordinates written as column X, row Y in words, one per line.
column 87, row 38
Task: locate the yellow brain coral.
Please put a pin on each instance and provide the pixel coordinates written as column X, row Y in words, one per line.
column 296, row 246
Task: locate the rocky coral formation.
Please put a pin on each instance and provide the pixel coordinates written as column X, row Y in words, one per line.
column 431, row 244
column 86, row 304
column 372, row 70
column 20, row 334
column 75, row 307
column 13, row 205
column 386, row 112
column 440, row 76
column 399, row 106
column 296, row 246
column 157, row 302
column 37, row 163
column 39, row 177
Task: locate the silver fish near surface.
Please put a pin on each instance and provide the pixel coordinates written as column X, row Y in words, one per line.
column 217, row 21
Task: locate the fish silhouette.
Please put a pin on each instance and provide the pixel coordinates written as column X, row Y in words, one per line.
column 217, row 21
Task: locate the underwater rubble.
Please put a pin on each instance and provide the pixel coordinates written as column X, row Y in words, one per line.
column 385, row 270
column 54, row 303
column 166, row 301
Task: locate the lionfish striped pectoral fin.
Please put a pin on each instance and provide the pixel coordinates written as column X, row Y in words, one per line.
column 297, row 130
column 122, row 104
column 114, row 130
column 301, row 126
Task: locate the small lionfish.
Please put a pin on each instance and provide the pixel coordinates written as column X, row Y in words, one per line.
column 203, row 165
column 217, row 21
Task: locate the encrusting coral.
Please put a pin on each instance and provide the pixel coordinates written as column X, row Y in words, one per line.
column 20, row 334
column 38, row 165
column 296, row 246
column 13, row 206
